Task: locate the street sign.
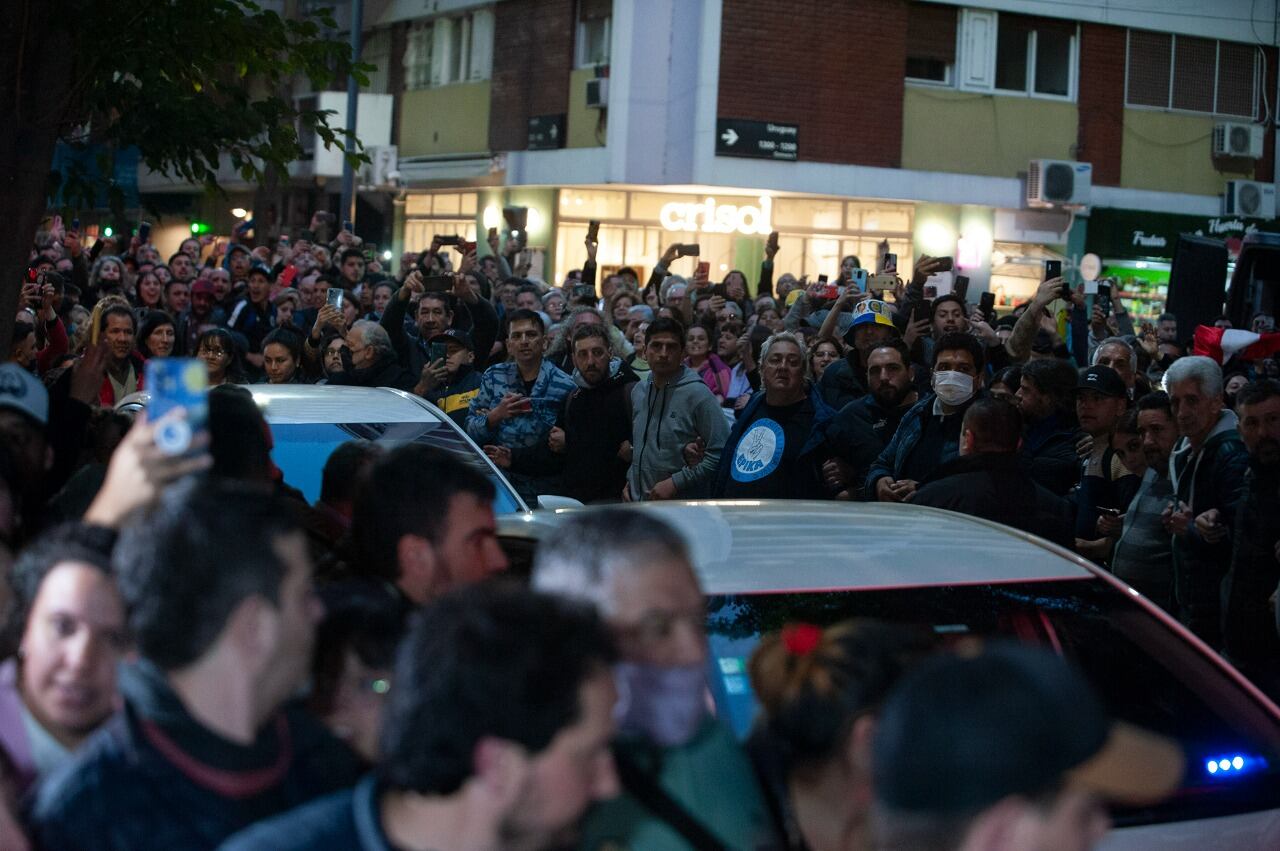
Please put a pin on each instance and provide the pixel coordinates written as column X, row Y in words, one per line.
column 736, row 137
column 546, row 132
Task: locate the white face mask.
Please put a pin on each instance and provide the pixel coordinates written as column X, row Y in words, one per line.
column 953, row 388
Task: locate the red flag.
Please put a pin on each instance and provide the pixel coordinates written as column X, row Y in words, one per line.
column 1222, row 344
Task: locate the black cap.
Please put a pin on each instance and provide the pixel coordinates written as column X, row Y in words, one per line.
column 454, row 335
column 961, row 733
column 1104, row 380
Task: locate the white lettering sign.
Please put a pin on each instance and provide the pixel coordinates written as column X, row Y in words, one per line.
column 1225, row 225
column 1140, row 238
column 710, row 217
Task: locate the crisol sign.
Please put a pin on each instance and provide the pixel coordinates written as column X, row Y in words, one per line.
column 707, row 216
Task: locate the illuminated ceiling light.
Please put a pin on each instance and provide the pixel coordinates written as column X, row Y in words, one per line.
column 239, row 212
column 492, row 217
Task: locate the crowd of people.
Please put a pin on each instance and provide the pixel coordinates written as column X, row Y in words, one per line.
column 197, row 658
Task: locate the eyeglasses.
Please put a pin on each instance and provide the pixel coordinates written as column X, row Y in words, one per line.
column 216, row 351
column 657, row 626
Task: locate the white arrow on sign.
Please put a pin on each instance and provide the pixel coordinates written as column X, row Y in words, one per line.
column 554, row 132
column 729, row 136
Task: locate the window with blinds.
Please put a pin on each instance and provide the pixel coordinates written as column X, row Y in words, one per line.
column 444, row 51
column 931, row 43
column 1190, row 74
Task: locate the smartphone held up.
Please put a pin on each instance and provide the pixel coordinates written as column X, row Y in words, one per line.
column 179, row 390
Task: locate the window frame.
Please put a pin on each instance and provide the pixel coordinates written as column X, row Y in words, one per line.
column 952, row 76
column 1217, row 73
column 991, row 54
column 457, row 64
column 580, row 60
column 1033, row 58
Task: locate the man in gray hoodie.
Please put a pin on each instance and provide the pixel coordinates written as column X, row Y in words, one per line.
column 670, row 410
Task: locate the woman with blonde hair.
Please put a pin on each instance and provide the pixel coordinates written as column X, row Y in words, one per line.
column 819, row 691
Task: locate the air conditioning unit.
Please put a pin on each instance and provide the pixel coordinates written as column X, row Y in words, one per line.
column 598, row 93
column 1058, row 183
column 1235, row 139
column 1250, row 199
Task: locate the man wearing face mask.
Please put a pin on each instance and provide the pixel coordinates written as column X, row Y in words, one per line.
column 687, row 785
column 929, row 434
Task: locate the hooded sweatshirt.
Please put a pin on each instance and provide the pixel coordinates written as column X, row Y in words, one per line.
column 665, row 419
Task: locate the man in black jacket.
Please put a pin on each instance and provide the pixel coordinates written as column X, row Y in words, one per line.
column 1248, row 626
column 1046, row 399
column 590, row 446
column 1207, row 469
column 988, row 479
column 861, row 429
column 204, row 745
column 437, row 312
column 369, row 360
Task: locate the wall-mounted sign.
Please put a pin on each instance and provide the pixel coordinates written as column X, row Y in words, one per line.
column 709, row 217
column 546, row 132
column 1136, row 234
column 736, row 137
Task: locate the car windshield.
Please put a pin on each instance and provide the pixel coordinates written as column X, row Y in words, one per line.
column 301, row 450
column 1145, row 672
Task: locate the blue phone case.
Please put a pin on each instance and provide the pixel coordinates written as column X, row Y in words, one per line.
column 177, row 384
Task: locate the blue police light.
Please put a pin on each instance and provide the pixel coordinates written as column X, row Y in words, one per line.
column 1234, row 764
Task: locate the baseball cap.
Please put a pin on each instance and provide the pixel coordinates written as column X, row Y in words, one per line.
column 1104, row 380
column 21, row 391
column 260, row 268
column 202, row 285
column 454, row 335
column 961, row 733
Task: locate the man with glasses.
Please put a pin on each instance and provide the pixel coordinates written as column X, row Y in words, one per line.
column 686, row 783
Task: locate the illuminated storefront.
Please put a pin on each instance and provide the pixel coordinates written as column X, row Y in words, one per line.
column 730, row 229
column 636, row 226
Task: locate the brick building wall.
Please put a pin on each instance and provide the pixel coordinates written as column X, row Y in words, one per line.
column 1101, row 131
column 835, row 68
column 532, row 59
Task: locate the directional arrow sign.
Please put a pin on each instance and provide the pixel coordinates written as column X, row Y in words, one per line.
column 768, row 140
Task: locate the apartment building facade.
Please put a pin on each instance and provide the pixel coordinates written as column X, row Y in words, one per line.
column 929, row 125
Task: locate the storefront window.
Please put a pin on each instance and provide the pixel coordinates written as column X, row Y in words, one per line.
column 419, row 232
column 878, row 218
column 823, row 214
column 814, row 233
column 592, row 204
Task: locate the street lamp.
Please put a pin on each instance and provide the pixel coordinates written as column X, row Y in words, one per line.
column 240, row 212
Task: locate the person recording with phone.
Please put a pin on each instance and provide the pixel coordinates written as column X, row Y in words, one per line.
column 457, row 305
column 519, row 399
column 449, row 380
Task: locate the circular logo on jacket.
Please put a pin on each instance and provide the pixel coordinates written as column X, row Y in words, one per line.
column 759, row 452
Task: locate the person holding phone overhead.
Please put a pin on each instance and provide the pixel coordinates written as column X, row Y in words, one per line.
column 449, row 379
column 519, row 400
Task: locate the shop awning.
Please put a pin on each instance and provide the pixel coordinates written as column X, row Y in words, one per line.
column 1136, row 234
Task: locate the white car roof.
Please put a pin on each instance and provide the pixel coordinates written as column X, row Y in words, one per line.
column 321, row 403
column 745, row 547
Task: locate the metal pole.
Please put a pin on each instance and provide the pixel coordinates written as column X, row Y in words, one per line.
column 348, row 204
